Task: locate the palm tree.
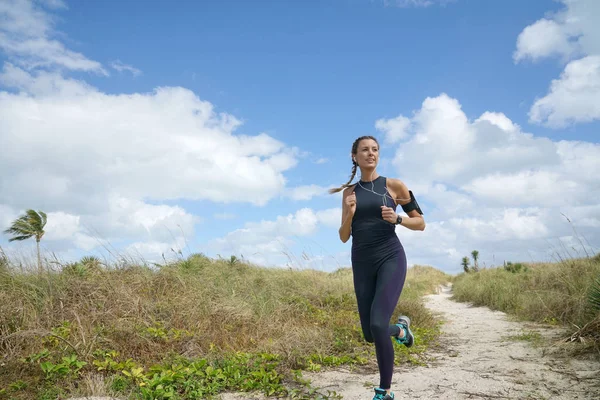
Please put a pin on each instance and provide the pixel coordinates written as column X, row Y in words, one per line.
column 465, row 264
column 31, row 224
column 475, row 255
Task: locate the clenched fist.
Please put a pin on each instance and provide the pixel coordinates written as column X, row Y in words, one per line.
column 388, row 214
column 351, row 203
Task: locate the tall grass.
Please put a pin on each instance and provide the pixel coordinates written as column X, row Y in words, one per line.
column 558, row 293
column 190, row 329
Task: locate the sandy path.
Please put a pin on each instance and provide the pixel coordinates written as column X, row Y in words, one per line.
column 479, row 363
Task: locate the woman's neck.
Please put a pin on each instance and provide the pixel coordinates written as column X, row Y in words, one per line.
column 368, row 175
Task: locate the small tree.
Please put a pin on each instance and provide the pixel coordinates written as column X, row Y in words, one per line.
column 465, row 264
column 475, row 255
column 31, row 224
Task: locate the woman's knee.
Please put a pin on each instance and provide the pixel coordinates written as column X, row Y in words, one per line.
column 379, row 329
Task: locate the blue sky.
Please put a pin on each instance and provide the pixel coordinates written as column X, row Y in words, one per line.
column 305, row 78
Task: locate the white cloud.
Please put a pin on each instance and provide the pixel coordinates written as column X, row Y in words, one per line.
column 128, row 218
column 306, row 192
column 26, row 35
column 155, row 251
column 395, row 129
column 528, row 187
column 572, row 98
column 168, row 144
column 491, row 154
column 119, row 66
column 270, row 242
column 485, row 183
column 570, row 32
column 7, row 216
column 124, row 221
column 542, row 39
column 573, row 35
column 447, row 147
column 61, row 226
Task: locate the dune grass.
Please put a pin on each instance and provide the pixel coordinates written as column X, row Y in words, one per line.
column 191, row 329
column 560, row 293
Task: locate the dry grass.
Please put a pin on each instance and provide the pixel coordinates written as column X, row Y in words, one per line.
column 555, row 293
column 194, row 308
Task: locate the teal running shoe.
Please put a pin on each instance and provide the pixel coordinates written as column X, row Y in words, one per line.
column 404, row 323
column 380, row 394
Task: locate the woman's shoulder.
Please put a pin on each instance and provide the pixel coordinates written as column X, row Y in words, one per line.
column 396, row 182
column 397, row 185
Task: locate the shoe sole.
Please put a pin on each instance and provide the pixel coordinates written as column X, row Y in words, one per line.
column 404, row 320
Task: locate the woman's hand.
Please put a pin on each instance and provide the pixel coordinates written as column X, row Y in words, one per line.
column 351, row 203
column 388, row 214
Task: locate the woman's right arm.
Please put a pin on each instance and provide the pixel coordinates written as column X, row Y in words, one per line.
column 348, row 209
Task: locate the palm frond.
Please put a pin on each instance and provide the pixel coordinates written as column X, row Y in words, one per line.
column 23, row 237
column 22, row 225
column 19, row 230
column 37, row 219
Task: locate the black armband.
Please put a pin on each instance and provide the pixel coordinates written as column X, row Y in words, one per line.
column 413, row 205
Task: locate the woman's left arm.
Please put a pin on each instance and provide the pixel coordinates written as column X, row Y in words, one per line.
column 403, row 197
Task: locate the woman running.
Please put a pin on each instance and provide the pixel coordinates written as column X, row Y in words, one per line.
column 378, row 258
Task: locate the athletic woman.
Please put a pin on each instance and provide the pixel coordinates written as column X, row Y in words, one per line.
column 378, row 258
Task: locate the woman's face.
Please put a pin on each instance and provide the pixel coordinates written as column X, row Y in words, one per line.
column 367, row 153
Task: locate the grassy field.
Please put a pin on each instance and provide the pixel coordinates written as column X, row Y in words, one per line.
column 191, row 329
column 565, row 293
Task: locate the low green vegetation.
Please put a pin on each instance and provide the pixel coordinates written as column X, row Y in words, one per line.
column 565, row 293
column 192, row 329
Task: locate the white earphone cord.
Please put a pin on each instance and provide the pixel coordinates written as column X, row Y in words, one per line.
column 383, row 196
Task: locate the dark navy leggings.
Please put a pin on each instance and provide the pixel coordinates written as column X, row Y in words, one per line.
column 378, row 284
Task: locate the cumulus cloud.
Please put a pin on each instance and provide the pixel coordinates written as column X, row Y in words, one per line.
column 394, row 129
column 573, row 98
column 71, row 144
column 486, row 182
column 572, row 35
column 447, row 147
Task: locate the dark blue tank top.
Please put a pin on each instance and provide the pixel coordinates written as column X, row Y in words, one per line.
column 370, row 232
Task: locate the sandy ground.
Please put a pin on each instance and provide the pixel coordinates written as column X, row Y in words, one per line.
column 478, row 362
